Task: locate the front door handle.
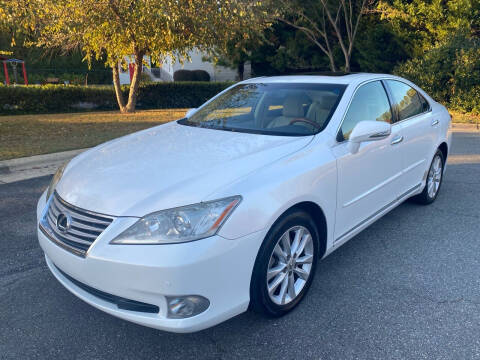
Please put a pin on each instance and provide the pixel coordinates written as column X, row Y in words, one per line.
column 435, row 122
column 397, row 140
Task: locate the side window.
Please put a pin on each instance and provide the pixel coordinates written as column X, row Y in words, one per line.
column 370, row 102
column 407, row 101
column 424, row 103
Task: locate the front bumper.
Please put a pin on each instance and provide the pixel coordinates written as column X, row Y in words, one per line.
column 215, row 268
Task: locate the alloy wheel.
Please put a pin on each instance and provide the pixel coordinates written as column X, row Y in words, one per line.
column 434, row 176
column 290, row 265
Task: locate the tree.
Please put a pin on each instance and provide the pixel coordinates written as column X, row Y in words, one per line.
column 327, row 24
column 111, row 29
column 236, row 52
column 378, row 49
column 450, row 72
column 238, row 49
column 424, row 24
column 15, row 24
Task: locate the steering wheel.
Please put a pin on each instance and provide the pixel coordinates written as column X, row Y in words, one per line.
column 305, row 120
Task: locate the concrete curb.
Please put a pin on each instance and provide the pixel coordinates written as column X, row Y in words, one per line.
column 460, row 127
column 33, row 166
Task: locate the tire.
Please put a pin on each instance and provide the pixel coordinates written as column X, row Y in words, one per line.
column 297, row 270
column 433, row 182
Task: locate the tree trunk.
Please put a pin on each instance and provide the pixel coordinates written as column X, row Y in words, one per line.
column 347, row 63
column 118, row 89
column 240, row 70
column 332, row 62
column 132, row 95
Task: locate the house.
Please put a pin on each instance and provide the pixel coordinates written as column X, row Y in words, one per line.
column 168, row 67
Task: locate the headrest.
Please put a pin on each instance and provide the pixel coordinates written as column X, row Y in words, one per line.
column 292, row 107
column 326, row 102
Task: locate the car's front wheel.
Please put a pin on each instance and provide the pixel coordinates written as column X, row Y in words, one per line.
column 434, row 180
column 285, row 265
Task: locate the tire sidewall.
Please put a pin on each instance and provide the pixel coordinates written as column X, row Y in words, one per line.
column 440, row 154
column 260, row 300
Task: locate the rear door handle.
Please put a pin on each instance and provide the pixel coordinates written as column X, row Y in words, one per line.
column 397, row 140
column 435, row 122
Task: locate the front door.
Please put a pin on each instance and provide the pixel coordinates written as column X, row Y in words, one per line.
column 368, row 180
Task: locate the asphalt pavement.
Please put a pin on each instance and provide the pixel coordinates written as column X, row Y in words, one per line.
column 408, row 287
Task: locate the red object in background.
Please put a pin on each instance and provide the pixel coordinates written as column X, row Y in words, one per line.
column 131, row 71
column 24, row 70
column 5, row 70
column 15, row 61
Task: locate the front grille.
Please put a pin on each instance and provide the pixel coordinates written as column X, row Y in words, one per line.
column 83, row 226
column 122, row 303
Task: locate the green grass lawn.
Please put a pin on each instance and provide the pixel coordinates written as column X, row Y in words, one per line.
column 460, row 118
column 26, row 135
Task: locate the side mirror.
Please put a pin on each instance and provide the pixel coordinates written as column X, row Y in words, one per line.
column 190, row 112
column 368, row 131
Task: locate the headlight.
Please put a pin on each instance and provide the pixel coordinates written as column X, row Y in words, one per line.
column 186, row 223
column 56, row 179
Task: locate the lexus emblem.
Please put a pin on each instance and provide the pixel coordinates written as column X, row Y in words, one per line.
column 64, row 222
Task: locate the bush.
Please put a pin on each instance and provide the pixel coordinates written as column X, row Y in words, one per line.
column 183, row 75
column 178, row 94
column 450, row 73
column 191, row 75
column 200, row 75
column 59, row 98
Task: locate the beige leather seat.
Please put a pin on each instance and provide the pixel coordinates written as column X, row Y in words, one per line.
column 320, row 109
column 292, row 109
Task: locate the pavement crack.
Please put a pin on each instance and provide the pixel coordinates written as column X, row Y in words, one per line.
column 458, row 300
column 20, row 270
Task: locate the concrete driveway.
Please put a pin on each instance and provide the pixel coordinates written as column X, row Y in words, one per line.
column 407, row 287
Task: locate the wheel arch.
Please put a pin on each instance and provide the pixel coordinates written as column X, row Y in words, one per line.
column 443, row 147
column 318, row 216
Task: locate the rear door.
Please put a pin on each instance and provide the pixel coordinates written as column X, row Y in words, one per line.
column 367, row 180
column 420, row 131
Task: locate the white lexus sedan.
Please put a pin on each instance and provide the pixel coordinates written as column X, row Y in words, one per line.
column 182, row 226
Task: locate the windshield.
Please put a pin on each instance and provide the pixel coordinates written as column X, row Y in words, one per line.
column 271, row 108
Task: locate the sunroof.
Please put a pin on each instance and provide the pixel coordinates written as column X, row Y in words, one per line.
column 325, row 73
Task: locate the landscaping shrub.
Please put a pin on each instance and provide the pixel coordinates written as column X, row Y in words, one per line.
column 191, row 75
column 200, row 75
column 450, row 73
column 178, row 94
column 59, row 98
column 183, row 75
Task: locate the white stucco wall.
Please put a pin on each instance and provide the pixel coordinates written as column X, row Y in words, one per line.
column 217, row 73
column 167, row 69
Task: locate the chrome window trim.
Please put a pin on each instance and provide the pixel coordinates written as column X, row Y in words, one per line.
column 350, row 102
column 382, row 79
column 414, row 116
column 418, row 92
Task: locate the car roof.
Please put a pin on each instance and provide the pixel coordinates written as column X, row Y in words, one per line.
column 322, row 79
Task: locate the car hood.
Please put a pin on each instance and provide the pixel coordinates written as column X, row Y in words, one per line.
column 166, row 166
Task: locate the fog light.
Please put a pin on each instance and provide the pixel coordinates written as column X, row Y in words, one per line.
column 181, row 307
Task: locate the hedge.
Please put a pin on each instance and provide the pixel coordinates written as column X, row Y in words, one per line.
column 59, row 98
column 191, row 75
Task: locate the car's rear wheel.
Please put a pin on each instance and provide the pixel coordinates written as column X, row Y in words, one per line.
column 434, row 180
column 285, row 265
